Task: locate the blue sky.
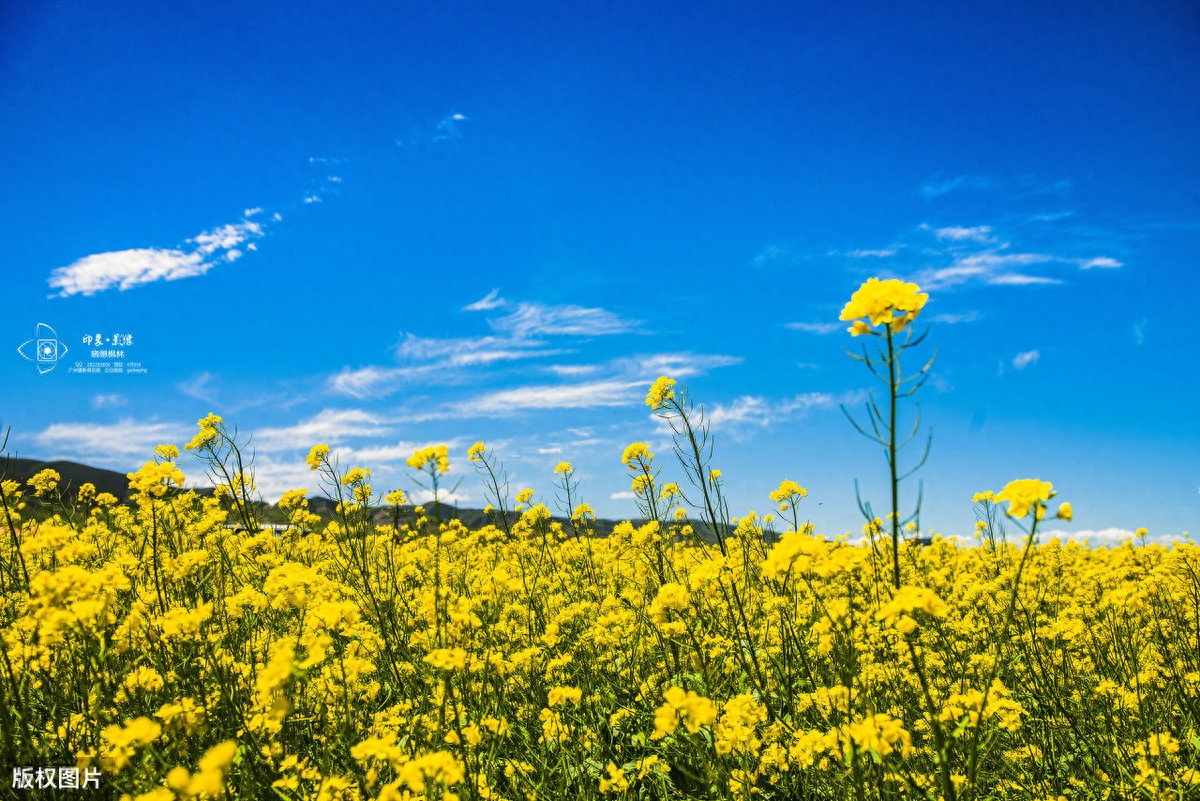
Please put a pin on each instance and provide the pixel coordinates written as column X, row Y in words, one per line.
column 397, row 224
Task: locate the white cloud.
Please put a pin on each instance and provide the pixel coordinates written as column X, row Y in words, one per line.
column 878, row 254
column 769, row 254
column 226, row 237
column 981, row 233
column 1102, row 261
column 675, row 365
column 572, row 369
column 1106, row 536
column 125, row 269
column 446, row 360
column 549, row 450
column 744, row 410
column 626, row 495
column 312, row 199
column 1139, row 331
column 1021, row 279
column 937, row 188
column 449, row 127
column 534, row 319
column 951, row 319
column 1023, row 360
column 199, row 388
column 467, row 351
column 989, row 267
column 756, row 410
column 101, row 401
column 122, row 441
column 817, row 328
column 490, row 301
column 557, row 396
column 329, row 426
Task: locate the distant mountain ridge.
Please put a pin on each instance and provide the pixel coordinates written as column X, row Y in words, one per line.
column 72, row 475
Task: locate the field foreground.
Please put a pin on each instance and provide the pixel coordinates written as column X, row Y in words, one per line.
column 422, row 660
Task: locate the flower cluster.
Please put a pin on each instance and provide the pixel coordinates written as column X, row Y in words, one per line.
column 889, row 303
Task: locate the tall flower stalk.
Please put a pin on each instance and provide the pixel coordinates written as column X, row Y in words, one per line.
column 886, row 309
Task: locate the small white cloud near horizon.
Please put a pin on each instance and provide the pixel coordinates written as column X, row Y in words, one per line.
column 624, row 495
column 1023, row 360
column 125, row 269
column 1102, row 537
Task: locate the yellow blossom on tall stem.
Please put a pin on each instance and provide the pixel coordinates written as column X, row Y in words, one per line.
column 890, row 303
column 1026, row 493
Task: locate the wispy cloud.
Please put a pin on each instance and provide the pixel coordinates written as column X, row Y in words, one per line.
column 1023, row 360
column 1102, row 537
column 449, row 127
column 817, row 328
column 873, row 254
column 329, row 426
column 771, row 254
column 124, row 441
column 937, row 188
column 1022, row 186
column 521, row 333
column 952, row 319
column 1139, row 331
column 979, row 233
column 1103, row 262
column 103, row 401
column 750, row 410
column 506, row 402
column 987, row 267
column 125, row 269
column 529, row 320
column 490, row 301
column 199, row 387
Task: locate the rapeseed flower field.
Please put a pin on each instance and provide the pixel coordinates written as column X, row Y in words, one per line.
column 390, row 654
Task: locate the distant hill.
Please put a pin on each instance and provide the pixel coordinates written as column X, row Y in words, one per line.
column 73, row 475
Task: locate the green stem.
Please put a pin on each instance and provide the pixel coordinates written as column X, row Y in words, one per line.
column 892, row 387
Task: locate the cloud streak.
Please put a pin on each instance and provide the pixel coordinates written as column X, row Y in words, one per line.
column 124, row 441
column 125, row 269
column 521, row 332
column 1023, row 360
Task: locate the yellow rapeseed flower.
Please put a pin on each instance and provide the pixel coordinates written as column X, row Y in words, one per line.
column 661, row 391
column 636, row 452
column 317, row 456
column 437, row 455
column 44, row 482
column 880, row 301
column 1025, row 493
